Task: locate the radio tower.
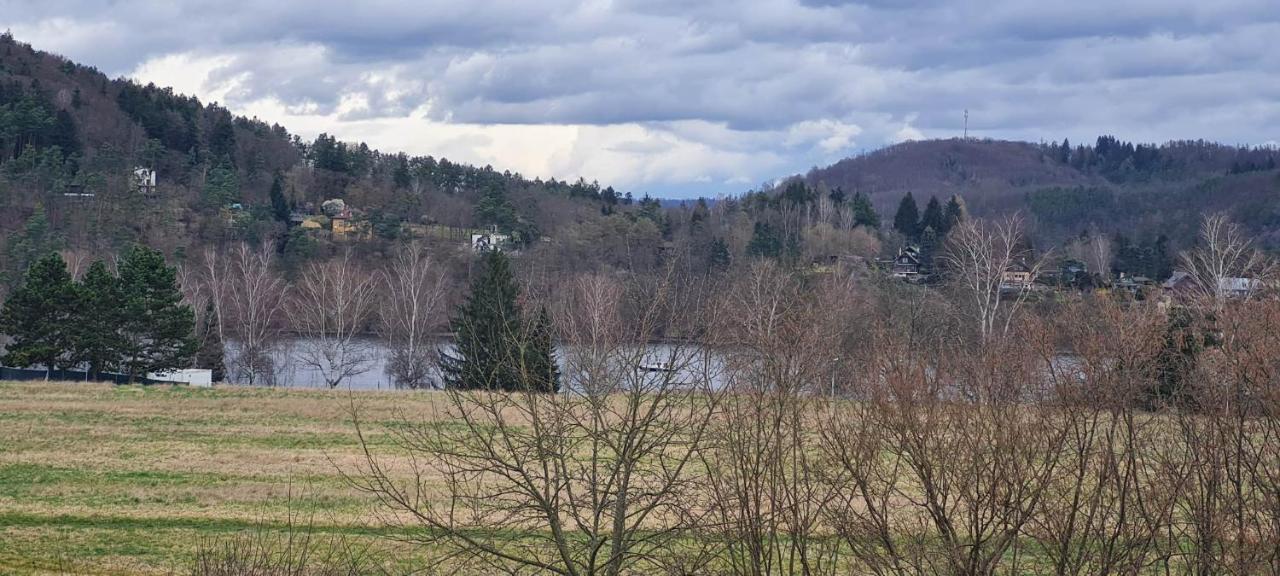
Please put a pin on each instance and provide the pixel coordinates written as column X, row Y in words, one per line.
column 966, row 123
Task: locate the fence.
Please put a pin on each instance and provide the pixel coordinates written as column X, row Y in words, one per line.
column 7, row 373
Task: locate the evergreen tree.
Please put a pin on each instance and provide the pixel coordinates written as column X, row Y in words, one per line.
column 494, row 209
column 279, row 206
column 837, row 196
column 98, row 321
column 39, row 315
column 211, row 353
column 156, row 328
column 221, row 186
column 486, row 329
column 222, row 138
column 63, row 133
column 907, row 220
column 764, row 241
column 796, row 193
column 1162, row 259
column 933, row 217
column 400, row 175
column 36, row 240
column 719, row 258
column 864, row 214
column 930, row 244
column 539, row 370
column 955, row 213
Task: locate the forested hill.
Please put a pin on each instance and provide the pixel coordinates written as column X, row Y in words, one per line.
column 71, row 139
column 1107, row 185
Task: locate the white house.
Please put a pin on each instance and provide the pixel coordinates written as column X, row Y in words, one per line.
column 490, row 240
column 144, row 180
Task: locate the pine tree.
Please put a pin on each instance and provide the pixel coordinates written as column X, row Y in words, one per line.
column 719, row 258
column 955, row 213
column 486, row 329
column 494, row 209
column 930, row 243
column 864, row 214
column 907, row 220
column 38, row 316
column 279, row 206
column 764, row 241
column 157, row 328
column 539, row 370
column 211, row 353
column 221, row 186
column 400, row 175
column 36, row 240
column 98, row 320
column 933, row 217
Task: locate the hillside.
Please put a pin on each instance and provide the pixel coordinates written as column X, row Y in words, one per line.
column 71, row 140
column 1109, row 185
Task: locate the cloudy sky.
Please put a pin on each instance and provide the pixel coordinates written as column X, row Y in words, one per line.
column 683, row 98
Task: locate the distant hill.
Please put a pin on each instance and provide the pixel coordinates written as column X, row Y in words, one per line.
column 1108, row 185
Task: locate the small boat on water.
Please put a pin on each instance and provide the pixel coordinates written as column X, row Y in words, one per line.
column 662, row 368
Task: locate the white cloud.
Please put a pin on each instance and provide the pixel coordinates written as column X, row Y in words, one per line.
column 701, row 96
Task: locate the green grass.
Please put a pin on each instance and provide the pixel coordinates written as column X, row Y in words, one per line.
column 105, row 479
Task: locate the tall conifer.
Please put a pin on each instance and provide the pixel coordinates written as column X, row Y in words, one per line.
column 485, row 328
column 39, row 315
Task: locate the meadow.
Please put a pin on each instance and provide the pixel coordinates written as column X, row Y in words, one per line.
column 102, row 479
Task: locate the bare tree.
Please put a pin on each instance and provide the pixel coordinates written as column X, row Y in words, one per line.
column 595, row 479
column 331, row 305
column 1094, row 251
column 409, row 312
column 1225, row 257
column 250, row 300
column 978, row 256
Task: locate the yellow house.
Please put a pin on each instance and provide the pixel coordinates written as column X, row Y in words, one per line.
column 343, row 226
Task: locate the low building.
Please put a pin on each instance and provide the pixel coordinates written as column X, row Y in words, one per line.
column 1183, row 284
column 1018, row 277
column 490, row 240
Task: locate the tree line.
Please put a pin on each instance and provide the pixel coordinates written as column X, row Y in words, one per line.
column 132, row 320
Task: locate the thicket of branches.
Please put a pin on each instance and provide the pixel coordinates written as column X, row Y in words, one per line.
column 846, row 426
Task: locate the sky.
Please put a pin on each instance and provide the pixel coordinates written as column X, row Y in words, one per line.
column 691, row 98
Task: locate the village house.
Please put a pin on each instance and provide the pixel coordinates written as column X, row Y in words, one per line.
column 907, row 264
column 490, row 240
column 1182, row 284
column 144, row 180
column 1018, row 277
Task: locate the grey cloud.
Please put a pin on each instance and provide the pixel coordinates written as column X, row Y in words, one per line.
column 1149, row 69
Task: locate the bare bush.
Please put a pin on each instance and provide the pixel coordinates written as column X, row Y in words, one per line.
column 592, row 480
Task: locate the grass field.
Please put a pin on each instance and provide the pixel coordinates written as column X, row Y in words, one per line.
column 102, row 479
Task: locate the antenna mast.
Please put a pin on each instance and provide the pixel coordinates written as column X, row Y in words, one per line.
column 966, row 123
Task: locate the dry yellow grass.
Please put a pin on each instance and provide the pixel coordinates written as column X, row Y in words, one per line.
column 106, row 479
